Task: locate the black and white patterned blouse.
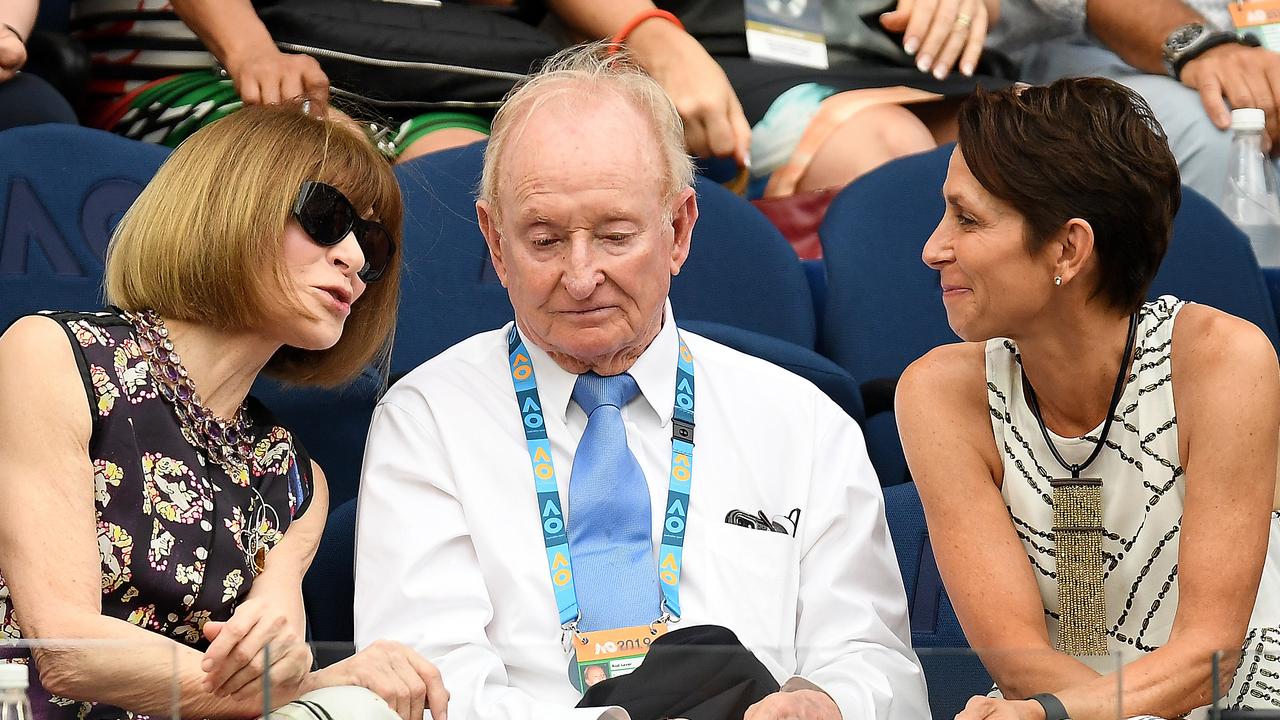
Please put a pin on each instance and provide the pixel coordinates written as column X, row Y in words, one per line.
column 1142, row 501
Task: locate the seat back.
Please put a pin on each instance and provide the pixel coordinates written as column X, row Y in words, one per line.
column 62, row 190
column 953, row 674
column 740, row 271
column 1210, row 262
column 830, row 378
column 328, row 590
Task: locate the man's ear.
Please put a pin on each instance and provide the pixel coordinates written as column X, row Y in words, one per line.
column 684, row 215
column 492, row 238
column 1074, row 249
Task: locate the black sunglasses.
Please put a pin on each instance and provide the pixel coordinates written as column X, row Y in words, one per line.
column 327, row 216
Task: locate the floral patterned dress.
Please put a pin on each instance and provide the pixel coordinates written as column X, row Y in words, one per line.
column 175, row 531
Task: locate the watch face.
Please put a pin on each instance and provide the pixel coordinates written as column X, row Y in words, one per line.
column 1183, row 38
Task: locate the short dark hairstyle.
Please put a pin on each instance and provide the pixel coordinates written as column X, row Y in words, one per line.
column 1086, row 148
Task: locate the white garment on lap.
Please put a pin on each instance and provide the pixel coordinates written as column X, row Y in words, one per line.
column 344, row 702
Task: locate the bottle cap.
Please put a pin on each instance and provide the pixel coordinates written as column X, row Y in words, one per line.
column 1248, row 119
column 13, row 676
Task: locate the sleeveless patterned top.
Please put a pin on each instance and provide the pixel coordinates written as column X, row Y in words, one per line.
column 174, row 530
column 1142, row 499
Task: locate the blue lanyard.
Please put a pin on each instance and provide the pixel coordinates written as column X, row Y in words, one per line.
column 551, row 516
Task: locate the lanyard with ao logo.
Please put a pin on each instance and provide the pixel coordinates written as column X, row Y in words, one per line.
column 551, row 516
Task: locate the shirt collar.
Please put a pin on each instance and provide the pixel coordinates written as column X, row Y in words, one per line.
column 654, row 372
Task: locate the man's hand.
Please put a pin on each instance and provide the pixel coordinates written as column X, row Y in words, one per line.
column 13, row 54
column 797, row 705
column 985, row 708
column 1245, row 76
column 941, row 32
column 395, row 673
column 714, row 124
column 267, row 77
column 238, row 652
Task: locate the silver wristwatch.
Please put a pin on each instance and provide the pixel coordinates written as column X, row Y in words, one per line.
column 1188, row 42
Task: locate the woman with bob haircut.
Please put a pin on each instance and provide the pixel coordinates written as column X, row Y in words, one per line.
column 145, row 498
column 1098, row 472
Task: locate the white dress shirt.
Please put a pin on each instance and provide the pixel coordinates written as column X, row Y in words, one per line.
column 450, row 553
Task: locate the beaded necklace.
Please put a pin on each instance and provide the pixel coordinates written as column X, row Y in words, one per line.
column 228, row 443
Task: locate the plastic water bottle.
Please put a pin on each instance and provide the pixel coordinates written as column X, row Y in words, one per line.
column 14, row 704
column 1252, row 199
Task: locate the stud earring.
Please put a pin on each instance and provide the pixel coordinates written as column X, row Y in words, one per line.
column 1057, row 279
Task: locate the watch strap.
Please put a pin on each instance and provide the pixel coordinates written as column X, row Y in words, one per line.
column 1053, row 707
column 1213, row 40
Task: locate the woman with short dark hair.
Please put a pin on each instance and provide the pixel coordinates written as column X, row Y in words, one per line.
column 1083, row 513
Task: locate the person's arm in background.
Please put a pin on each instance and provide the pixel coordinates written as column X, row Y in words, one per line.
column 1245, row 76
column 234, row 33
column 714, row 124
column 18, row 17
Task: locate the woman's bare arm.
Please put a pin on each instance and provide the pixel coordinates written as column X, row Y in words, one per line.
column 49, row 544
column 945, row 425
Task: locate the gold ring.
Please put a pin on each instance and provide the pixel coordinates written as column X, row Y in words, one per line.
column 963, row 21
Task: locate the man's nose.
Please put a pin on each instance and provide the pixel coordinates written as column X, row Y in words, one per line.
column 583, row 273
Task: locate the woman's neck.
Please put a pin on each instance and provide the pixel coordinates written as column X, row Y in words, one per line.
column 221, row 364
column 1072, row 359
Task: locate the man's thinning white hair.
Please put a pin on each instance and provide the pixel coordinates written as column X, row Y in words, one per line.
column 588, row 72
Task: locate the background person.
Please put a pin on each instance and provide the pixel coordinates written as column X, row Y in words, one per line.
column 900, row 60
column 1067, row 373
column 24, row 98
column 170, row 512
column 1182, row 56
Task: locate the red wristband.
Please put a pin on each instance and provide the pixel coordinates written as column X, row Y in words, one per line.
column 648, row 13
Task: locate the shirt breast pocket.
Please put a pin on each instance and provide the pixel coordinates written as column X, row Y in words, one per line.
column 754, row 575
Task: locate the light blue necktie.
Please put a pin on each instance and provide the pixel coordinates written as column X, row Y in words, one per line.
column 610, row 530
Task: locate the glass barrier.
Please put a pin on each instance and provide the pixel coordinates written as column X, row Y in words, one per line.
column 95, row 680
column 953, row 675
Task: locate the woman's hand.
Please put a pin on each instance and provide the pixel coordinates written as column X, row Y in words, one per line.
column 941, row 32
column 714, row 124
column 395, row 673
column 262, row 633
column 985, row 708
column 13, row 54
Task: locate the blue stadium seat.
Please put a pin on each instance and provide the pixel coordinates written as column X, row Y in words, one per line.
column 62, row 190
column 952, row 672
column 830, row 378
column 1210, row 262
column 741, row 272
column 884, row 308
column 328, row 590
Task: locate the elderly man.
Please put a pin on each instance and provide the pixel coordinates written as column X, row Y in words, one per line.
column 539, row 481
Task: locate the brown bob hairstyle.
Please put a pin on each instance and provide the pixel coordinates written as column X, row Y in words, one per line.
column 1084, row 148
column 203, row 242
